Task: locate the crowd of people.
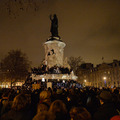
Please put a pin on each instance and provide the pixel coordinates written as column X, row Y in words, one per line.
column 86, row 103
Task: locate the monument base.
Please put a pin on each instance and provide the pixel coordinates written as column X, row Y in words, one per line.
column 52, row 38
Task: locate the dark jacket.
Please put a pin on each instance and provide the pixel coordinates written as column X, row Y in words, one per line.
column 105, row 112
column 17, row 115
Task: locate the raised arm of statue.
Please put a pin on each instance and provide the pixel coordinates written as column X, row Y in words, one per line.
column 51, row 17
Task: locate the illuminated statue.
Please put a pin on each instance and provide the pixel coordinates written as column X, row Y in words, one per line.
column 54, row 25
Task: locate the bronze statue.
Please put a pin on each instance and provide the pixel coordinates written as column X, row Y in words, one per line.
column 54, row 25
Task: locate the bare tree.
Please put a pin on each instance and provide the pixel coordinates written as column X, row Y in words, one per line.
column 15, row 66
column 75, row 63
column 14, row 7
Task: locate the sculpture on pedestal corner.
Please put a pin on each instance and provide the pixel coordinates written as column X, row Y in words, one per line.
column 54, row 25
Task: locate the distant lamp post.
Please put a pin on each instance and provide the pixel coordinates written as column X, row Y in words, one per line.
column 85, row 81
column 84, row 84
column 105, row 78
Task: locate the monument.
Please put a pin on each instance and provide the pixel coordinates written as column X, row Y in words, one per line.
column 54, row 47
column 55, row 67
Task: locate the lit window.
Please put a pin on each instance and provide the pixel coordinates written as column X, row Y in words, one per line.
column 108, row 72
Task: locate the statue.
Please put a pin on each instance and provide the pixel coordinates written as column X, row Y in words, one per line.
column 54, row 25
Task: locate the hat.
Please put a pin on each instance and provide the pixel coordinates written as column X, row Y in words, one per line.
column 116, row 117
column 105, row 95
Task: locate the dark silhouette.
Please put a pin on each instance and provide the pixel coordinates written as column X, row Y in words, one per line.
column 54, row 25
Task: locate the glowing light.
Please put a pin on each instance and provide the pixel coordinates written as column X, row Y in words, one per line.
column 64, row 77
column 104, row 78
column 63, row 81
column 43, row 79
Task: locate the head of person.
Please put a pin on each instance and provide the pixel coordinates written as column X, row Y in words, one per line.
column 116, row 91
column 73, row 112
column 59, row 91
column 105, row 96
column 44, row 116
column 45, row 96
column 116, row 117
column 82, row 114
column 58, row 108
column 42, row 107
column 20, row 102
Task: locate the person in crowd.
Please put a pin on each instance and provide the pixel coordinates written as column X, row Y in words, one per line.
column 42, row 112
column 92, row 102
column 35, row 100
column 79, row 113
column 41, row 107
column 73, row 112
column 7, row 99
column 44, row 116
column 45, row 97
column 116, row 117
column 116, row 98
column 58, row 108
column 73, row 99
column 59, row 94
column 107, row 108
column 20, row 109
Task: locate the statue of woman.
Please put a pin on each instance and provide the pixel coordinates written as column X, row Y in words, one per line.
column 54, row 25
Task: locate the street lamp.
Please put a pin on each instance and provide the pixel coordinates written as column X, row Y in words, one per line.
column 85, row 80
column 84, row 83
column 104, row 78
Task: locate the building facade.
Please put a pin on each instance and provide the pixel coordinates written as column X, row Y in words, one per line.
column 103, row 75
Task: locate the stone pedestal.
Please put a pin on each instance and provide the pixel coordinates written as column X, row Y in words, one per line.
column 54, row 56
column 54, row 52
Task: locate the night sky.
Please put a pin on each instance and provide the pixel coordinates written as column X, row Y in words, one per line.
column 90, row 29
